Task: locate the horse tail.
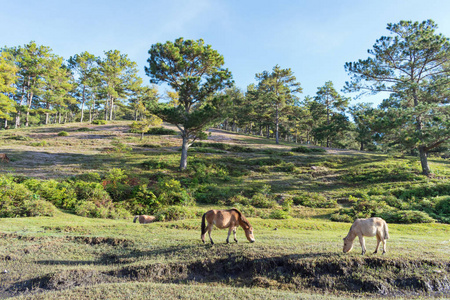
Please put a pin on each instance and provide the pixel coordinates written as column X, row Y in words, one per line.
column 386, row 232
column 134, row 220
column 204, row 224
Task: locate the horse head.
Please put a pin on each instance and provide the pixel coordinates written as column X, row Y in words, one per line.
column 348, row 245
column 249, row 234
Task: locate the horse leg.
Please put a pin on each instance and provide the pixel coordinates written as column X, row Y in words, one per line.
column 228, row 237
column 209, row 233
column 378, row 244
column 234, row 234
column 363, row 244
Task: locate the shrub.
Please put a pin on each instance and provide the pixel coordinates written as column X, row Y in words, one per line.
column 303, row 149
column 120, row 147
column 38, row 208
column 155, row 164
column 341, row 218
column 63, row 133
column 261, row 200
column 85, row 129
column 212, row 193
column 99, row 122
column 90, row 177
column 12, row 197
column 61, row 194
column 173, row 213
column 238, row 199
column 314, row 200
column 39, row 144
column 406, row 217
column 279, row 214
column 171, row 192
column 91, row 191
column 161, row 131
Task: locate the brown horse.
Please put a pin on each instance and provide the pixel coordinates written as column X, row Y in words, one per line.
column 144, row 219
column 367, row 227
column 4, row 157
column 231, row 218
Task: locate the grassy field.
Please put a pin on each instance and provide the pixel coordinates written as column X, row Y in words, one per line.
column 73, row 257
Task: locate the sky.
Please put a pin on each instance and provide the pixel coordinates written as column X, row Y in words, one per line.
column 313, row 38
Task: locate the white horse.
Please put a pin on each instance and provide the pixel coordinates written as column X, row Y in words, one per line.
column 367, row 227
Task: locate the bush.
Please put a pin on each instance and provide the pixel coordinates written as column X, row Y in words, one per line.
column 261, row 200
column 173, row 213
column 100, row 210
column 155, row 164
column 63, row 133
column 89, row 177
column 171, row 192
column 161, row 131
column 341, row 218
column 303, row 149
column 39, row 208
column 61, row 194
column 406, row 217
column 314, row 200
column 99, row 122
column 212, row 193
column 279, row 214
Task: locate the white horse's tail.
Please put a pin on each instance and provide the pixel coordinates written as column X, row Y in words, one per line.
column 385, row 229
column 134, row 220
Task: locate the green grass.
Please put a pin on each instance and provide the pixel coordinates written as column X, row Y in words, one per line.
column 59, row 253
column 68, row 256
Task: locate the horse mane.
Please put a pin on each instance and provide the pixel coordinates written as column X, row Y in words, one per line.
column 242, row 217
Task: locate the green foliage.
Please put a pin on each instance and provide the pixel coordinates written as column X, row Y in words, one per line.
column 120, row 147
column 173, row 213
column 61, row 194
column 161, row 131
column 406, row 217
column 154, row 164
column 143, row 202
column 315, row 200
column 19, row 138
column 303, row 149
column 18, row 201
column 279, row 214
column 212, row 193
column 170, row 192
column 39, row 208
column 63, row 133
column 99, row 122
column 223, row 146
column 39, row 144
column 84, row 129
column 89, row 176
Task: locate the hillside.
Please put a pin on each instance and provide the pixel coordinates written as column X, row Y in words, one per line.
column 290, row 194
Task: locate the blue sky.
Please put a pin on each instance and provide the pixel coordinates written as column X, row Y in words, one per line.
column 313, row 38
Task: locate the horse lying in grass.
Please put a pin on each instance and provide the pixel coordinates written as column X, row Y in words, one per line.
column 4, row 157
column 367, row 227
column 144, row 219
column 231, row 218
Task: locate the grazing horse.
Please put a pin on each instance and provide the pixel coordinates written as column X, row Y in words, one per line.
column 367, row 227
column 144, row 219
column 231, row 218
column 4, row 157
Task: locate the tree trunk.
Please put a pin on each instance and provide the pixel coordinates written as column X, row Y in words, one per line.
column 111, row 109
column 424, row 161
column 276, row 126
column 184, row 152
column 361, row 148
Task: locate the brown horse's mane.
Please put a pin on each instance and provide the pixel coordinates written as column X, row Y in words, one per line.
column 241, row 217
